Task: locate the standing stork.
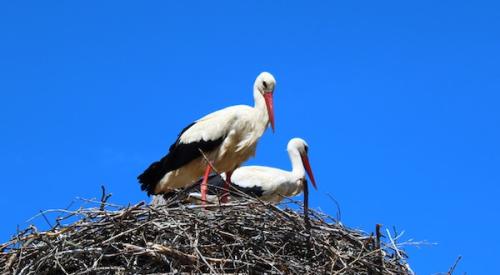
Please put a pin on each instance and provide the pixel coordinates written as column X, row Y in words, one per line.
column 266, row 183
column 226, row 137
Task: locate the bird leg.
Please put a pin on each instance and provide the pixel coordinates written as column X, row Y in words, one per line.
column 204, row 184
column 227, row 184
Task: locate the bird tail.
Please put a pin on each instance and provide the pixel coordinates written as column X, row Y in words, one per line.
column 151, row 177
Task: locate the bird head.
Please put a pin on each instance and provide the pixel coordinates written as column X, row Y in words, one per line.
column 265, row 84
column 301, row 146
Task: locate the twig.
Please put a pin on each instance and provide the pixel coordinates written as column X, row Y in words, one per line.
column 398, row 253
column 339, row 213
column 45, row 218
column 452, row 269
column 209, row 162
column 378, row 235
column 104, row 198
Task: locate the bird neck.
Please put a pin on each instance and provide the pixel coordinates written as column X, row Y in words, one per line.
column 298, row 170
column 260, row 108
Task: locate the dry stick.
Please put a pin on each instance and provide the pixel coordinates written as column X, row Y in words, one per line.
column 94, row 201
column 52, row 211
column 378, row 235
column 452, row 269
column 339, row 213
column 60, row 265
column 209, row 162
column 20, row 253
column 10, row 263
column 350, row 264
column 398, row 253
column 45, row 218
column 205, row 260
column 187, row 258
column 125, row 232
column 104, row 198
column 394, row 246
column 116, row 269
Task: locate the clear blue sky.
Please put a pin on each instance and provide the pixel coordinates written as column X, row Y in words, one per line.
column 398, row 100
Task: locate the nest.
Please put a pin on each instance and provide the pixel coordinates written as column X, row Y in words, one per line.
column 241, row 237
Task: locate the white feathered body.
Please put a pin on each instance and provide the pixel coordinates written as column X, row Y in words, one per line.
column 275, row 183
column 240, row 126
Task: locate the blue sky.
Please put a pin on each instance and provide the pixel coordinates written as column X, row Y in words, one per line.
column 398, row 101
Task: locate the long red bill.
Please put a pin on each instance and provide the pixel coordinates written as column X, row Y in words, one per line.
column 307, row 166
column 268, row 97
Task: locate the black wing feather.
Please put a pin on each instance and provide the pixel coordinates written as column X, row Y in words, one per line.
column 179, row 155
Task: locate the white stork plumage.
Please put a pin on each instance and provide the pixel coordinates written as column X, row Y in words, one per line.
column 227, row 137
column 267, row 183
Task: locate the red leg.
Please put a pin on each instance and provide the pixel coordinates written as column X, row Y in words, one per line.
column 225, row 192
column 204, row 186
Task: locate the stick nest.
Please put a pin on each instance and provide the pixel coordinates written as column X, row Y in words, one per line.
column 243, row 237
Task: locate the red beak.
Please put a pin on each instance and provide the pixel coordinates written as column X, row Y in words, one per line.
column 307, row 166
column 268, row 97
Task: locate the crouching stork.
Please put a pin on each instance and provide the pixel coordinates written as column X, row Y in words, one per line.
column 266, row 183
column 226, row 137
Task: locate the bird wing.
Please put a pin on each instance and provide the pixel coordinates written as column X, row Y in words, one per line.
column 212, row 126
column 205, row 134
column 265, row 178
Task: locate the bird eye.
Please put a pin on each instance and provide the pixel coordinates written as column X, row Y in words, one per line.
column 265, row 84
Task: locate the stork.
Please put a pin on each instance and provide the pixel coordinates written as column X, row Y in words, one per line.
column 267, row 183
column 226, row 138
